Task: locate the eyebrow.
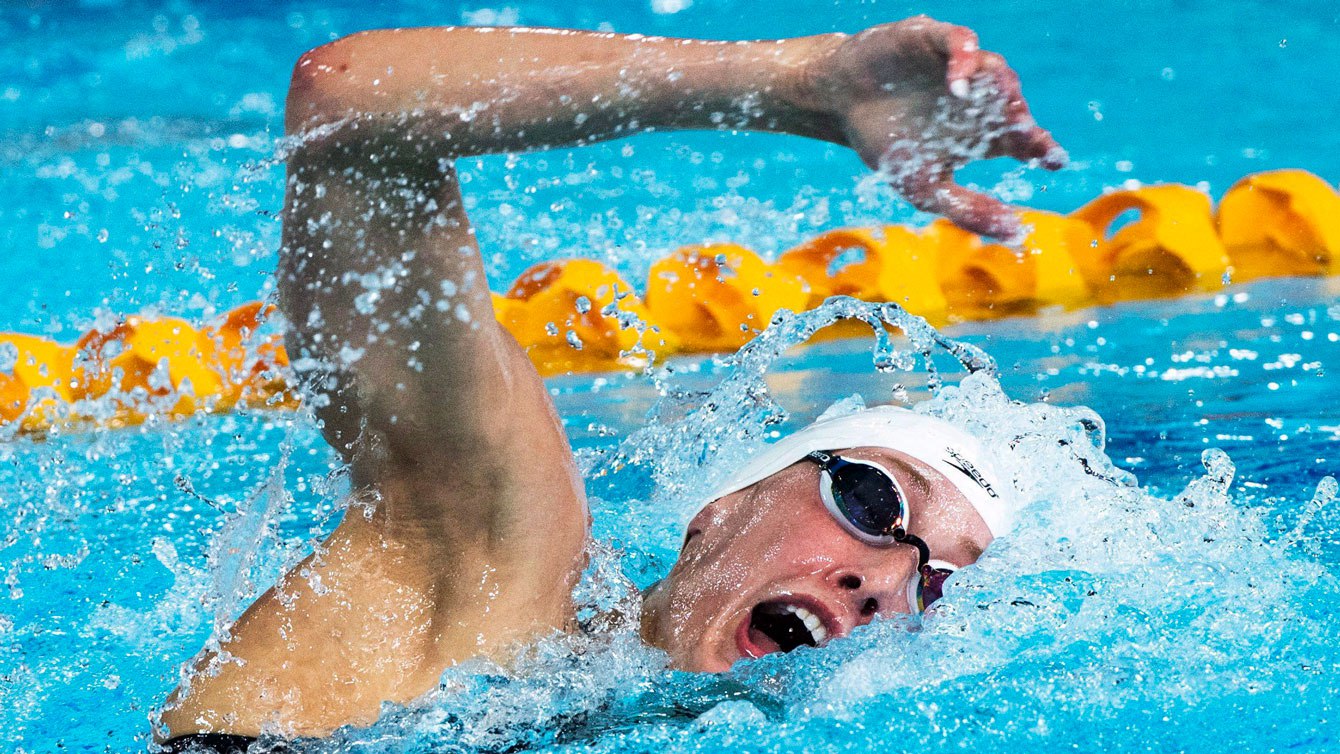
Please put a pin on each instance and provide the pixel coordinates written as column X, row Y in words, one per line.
column 909, row 472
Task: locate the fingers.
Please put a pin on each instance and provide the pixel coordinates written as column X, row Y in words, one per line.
column 999, row 77
column 997, row 112
column 961, row 50
column 968, row 209
column 1032, row 143
column 1023, row 139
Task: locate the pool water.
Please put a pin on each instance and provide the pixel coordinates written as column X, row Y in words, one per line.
column 1193, row 612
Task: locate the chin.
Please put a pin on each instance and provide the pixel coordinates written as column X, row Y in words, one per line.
column 701, row 656
column 707, row 651
column 709, row 663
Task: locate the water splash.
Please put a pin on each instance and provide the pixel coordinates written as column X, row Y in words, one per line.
column 694, row 437
column 1109, row 609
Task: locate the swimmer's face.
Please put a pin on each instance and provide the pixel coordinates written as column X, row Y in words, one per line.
column 757, row 561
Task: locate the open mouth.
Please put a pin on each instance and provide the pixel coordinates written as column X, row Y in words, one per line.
column 781, row 626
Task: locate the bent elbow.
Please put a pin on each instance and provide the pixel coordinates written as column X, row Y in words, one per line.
column 319, row 88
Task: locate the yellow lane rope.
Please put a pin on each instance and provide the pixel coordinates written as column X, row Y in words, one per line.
column 578, row 315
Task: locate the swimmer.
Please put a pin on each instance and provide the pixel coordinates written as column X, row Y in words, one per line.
column 468, row 525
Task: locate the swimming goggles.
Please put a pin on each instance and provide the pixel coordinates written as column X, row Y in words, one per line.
column 867, row 501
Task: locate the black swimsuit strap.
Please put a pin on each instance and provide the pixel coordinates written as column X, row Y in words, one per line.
column 208, row 743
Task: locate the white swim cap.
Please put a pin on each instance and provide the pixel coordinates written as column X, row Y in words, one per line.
column 935, row 442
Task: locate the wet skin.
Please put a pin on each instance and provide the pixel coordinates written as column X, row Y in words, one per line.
column 776, row 541
column 454, row 447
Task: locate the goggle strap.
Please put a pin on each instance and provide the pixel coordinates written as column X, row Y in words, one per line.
column 923, row 550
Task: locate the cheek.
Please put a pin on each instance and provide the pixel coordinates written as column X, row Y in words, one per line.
column 804, row 562
column 776, row 552
column 708, row 572
column 748, row 546
column 806, row 535
column 721, row 565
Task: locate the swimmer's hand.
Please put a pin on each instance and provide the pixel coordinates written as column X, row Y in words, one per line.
column 918, row 99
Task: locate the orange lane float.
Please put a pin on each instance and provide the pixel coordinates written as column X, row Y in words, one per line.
column 890, row 263
column 979, row 279
column 251, row 365
column 14, row 395
column 1055, row 243
column 40, row 382
column 179, row 369
column 41, row 363
column 578, row 315
column 142, row 367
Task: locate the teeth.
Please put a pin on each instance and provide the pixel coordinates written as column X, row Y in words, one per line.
column 812, row 623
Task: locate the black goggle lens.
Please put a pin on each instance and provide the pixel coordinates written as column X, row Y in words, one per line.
column 866, row 498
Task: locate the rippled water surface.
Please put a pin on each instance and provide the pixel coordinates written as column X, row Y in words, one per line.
column 1195, row 611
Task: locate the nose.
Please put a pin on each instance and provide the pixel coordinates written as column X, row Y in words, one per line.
column 868, row 606
column 874, row 593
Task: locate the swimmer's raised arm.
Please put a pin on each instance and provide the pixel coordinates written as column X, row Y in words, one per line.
column 917, row 98
column 475, row 523
column 381, row 276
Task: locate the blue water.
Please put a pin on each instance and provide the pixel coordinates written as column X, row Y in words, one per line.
column 134, row 140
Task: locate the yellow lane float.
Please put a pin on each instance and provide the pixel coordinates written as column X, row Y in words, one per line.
column 1170, row 248
column 889, row 263
column 14, row 395
column 717, row 297
column 567, row 315
column 142, row 367
column 1286, row 222
column 41, row 363
column 182, row 369
column 41, row 366
column 1055, row 243
column 578, row 315
column 251, row 365
column 979, row 279
column 168, row 347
